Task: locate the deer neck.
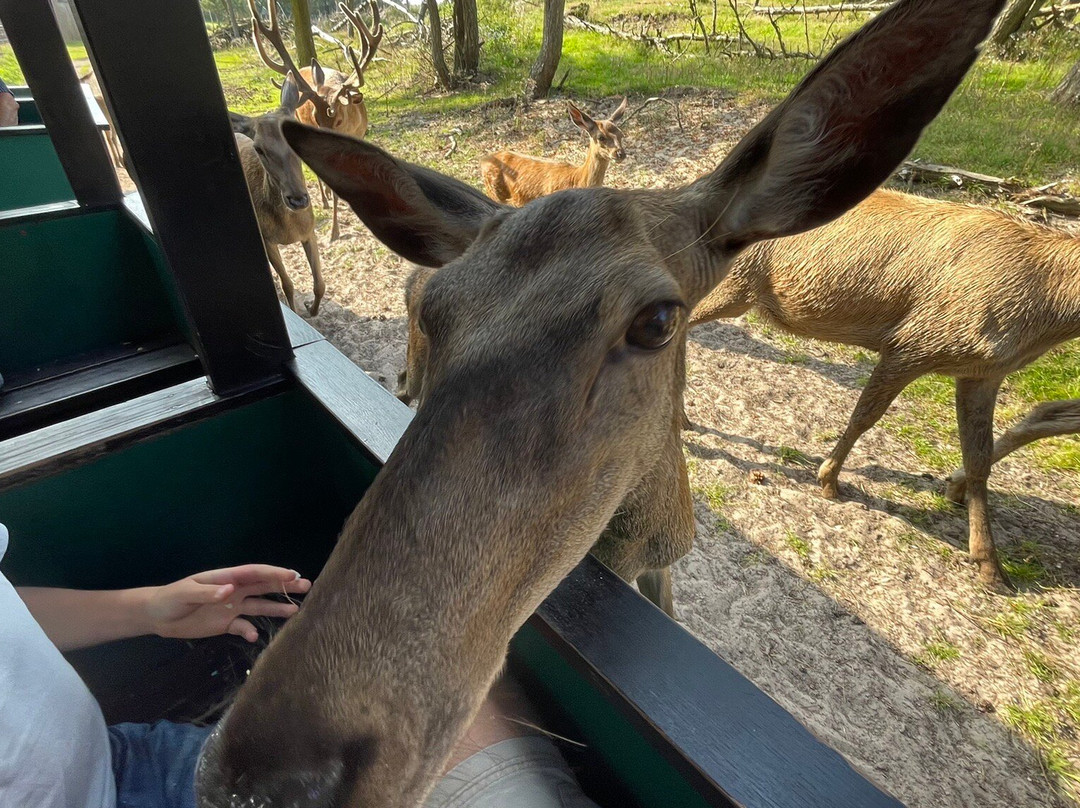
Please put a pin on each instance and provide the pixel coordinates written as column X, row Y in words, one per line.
column 592, row 171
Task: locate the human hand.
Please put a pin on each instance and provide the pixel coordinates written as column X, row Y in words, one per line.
column 210, row 603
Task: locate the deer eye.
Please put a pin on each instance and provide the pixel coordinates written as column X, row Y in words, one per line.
column 654, row 326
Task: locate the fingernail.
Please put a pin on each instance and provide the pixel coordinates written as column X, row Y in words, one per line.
column 228, row 605
column 296, row 575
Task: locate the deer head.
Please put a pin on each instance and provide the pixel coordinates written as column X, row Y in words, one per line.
column 606, row 136
column 556, row 335
column 279, row 161
column 349, row 92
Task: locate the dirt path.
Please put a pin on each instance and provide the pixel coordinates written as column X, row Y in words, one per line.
column 824, row 605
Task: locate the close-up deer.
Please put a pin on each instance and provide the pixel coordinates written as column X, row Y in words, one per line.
column 331, row 99
column 934, row 287
column 278, row 190
column 550, row 418
column 517, row 178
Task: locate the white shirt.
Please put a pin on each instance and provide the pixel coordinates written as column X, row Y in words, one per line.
column 54, row 747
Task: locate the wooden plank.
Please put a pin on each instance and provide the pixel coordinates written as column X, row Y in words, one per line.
column 135, row 372
column 78, row 440
column 182, row 155
column 300, row 330
column 37, row 213
column 133, row 204
column 357, row 402
column 43, row 57
column 96, row 113
column 733, row 743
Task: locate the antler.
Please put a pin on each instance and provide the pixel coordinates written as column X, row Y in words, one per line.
column 369, row 41
column 286, row 65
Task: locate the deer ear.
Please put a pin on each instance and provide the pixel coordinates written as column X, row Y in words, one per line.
column 241, row 124
column 619, row 112
column 580, row 119
column 422, row 215
column 847, row 125
column 290, row 94
column 317, row 74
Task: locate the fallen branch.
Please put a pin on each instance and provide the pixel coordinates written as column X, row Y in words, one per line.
column 453, row 142
column 912, row 171
column 637, row 109
column 1061, row 205
column 787, row 11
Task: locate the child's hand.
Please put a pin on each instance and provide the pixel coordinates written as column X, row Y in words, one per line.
column 210, row 603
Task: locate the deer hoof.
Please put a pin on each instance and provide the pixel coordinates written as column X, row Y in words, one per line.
column 312, row 307
column 993, row 578
column 956, row 487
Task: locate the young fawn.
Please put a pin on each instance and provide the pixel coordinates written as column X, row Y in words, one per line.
column 550, row 420
column 516, row 179
column 934, row 287
column 278, row 190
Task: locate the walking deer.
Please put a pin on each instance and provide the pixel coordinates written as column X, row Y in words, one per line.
column 278, row 190
column 517, row 179
column 337, row 100
column 550, row 421
column 935, row 287
column 1048, row 420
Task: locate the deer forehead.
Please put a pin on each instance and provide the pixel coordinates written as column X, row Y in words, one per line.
column 582, row 251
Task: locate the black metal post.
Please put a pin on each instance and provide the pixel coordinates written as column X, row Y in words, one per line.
column 157, row 74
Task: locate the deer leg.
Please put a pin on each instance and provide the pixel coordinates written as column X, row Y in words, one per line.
column 1048, row 420
column 656, row 586
column 334, row 233
column 975, row 399
column 311, row 249
column 274, row 254
column 888, row 379
column 731, row 298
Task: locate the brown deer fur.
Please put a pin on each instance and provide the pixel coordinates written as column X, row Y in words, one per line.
column 515, row 179
column 550, row 416
column 278, row 191
column 935, row 287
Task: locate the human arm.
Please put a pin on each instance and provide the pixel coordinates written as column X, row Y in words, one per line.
column 201, row 605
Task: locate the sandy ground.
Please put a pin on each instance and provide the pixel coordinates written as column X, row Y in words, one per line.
column 830, row 607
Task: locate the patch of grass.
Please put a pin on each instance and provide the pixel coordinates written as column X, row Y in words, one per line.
column 1039, row 722
column 937, row 652
column 799, row 545
column 1009, row 624
column 717, row 496
column 1040, row 667
column 821, row 574
column 1023, row 563
column 790, row 456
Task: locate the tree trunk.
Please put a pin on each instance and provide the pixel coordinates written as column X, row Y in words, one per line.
column 305, row 44
column 1068, row 92
column 438, row 58
column 232, row 18
column 466, row 39
column 1014, row 20
column 547, row 61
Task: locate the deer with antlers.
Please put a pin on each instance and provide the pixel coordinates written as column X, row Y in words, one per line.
column 332, row 99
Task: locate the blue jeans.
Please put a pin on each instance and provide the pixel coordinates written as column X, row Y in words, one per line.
column 154, row 764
